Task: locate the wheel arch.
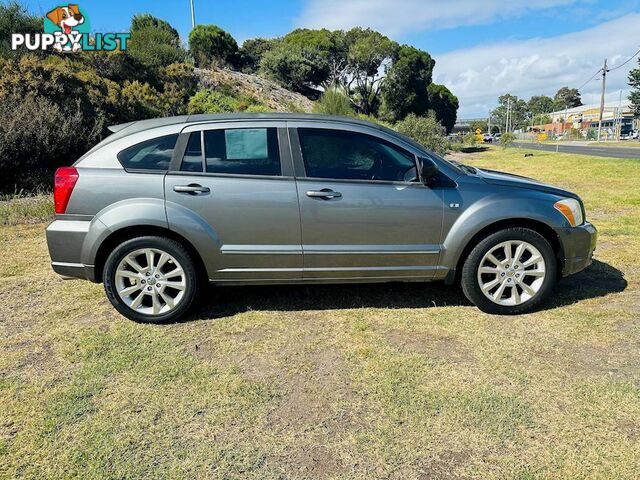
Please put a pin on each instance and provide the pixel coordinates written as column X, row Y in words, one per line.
column 127, row 233
column 537, row 226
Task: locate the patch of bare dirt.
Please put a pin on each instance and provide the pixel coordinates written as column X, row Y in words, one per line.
column 618, row 361
column 35, row 357
column 443, row 467
column 313, row 396
column 315, row 461
column 446, row 348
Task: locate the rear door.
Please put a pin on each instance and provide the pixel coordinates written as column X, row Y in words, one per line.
column 364, row 213
column 238, row 178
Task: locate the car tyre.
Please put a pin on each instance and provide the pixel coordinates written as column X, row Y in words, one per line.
column 533, row 275
column 151, row 279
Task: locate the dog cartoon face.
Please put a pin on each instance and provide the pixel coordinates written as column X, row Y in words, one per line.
column 66, row 17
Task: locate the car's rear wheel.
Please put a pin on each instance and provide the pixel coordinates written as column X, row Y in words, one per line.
column 510, row 272
column 151, row 279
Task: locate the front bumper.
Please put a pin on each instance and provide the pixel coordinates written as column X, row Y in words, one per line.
column 578, row 244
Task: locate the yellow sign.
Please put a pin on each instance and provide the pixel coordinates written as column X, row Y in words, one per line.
column 478, row 131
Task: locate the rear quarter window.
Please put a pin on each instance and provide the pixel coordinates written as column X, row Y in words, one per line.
column 154, row 154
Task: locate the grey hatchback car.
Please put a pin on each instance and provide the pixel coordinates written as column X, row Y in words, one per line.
column 162, row 206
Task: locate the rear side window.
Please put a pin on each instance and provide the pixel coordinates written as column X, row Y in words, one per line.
column 154, row 154
column 239, row 151
column 353, row 156
column 192, row 160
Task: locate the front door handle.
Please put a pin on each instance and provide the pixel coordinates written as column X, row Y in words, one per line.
column 192, row 188
column 325, row 194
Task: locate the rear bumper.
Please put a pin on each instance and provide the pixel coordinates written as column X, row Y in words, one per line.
column 578, row 244
column 65, row 239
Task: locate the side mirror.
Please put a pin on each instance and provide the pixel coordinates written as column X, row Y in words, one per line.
column 428, row 169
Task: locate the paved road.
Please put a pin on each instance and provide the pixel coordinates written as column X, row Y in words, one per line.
column 617, row 152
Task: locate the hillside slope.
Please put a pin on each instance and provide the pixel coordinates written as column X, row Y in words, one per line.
column 266, row 91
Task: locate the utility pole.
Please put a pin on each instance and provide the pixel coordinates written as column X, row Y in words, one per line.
column 489, row 124
column 506, row 123
column 604, row 81
column 193, row 16
column 533, row 116
column 619, row 117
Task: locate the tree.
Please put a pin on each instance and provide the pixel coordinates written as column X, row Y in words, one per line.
column 146, row 20
column 444, row 104
column 518, row 112
column 252, row 51
column 634, row 95
column 369, row 57
column 539, row 104
column 297, row 66
column 481, row 125
column 15, row 19
column 211, row 45
column 154, row 42
column 331, row 46
column 566, row 98
column 406, row 86
column 426, row 131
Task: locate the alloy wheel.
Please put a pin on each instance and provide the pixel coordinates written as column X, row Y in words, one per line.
column 150, row 281
column 511, row 273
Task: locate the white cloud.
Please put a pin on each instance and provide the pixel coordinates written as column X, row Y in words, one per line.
column 398, row 17
column 478, row 75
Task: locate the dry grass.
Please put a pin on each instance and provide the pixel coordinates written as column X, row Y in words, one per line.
column 384, row 381
column 17, row 209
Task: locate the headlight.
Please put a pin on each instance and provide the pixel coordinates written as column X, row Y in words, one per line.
column 571, row 209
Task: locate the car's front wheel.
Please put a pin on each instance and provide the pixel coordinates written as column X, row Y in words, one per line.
column 151, row 279
column 511, row 271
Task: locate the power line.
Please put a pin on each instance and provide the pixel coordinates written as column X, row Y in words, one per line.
column 592, row 77
column 627, row 61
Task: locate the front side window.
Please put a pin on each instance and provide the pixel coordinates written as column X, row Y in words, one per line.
column 154, row 154
column 353, row 156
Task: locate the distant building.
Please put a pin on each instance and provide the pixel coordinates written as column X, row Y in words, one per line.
column 586, row 117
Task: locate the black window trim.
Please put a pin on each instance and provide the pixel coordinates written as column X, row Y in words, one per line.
column 149, row 170
column 301, row 171
column 286, row 169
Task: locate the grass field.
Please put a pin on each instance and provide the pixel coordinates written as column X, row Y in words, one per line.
column 384, row 381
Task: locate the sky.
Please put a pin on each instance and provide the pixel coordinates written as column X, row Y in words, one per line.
column 482, row 49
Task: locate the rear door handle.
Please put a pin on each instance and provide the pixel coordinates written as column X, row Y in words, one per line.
column 192, row 188
column 325, row 193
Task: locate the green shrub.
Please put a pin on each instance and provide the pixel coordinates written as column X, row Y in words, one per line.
column 155, row 47
column 426, row 131
column 223, row 100
column 258, row 108
column 469, row 139
column 334, row 102
column 507, row 139
column 210, row 45
column 212, row 101
column 31, row 150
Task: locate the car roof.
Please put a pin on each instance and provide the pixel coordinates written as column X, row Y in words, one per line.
column 125, row 129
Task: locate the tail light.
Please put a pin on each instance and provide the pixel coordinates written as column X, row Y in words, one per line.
column 64, row 181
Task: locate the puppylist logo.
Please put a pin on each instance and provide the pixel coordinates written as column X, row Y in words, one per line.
column 67, row 29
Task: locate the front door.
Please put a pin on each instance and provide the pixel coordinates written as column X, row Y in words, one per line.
column 363, row 212
column 238, row 182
